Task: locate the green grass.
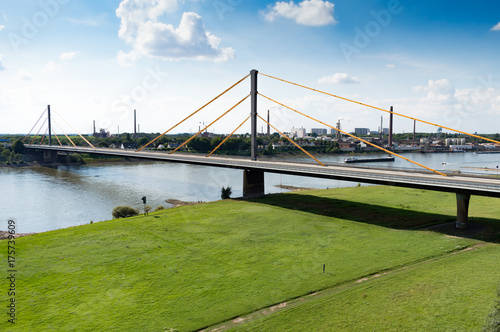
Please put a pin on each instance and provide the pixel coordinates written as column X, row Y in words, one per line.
column 453, row 294
column 195, row 266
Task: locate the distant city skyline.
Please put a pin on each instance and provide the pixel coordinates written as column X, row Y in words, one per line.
column 100, row 60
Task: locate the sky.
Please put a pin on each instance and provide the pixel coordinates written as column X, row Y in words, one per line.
column 437, row 61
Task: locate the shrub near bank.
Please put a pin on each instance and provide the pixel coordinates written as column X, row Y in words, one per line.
column 124, row 212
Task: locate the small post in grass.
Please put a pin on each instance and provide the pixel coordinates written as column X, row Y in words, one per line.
column 144, row 201
column 324, row 268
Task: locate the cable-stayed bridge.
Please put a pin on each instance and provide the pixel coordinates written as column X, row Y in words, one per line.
column 253, row 176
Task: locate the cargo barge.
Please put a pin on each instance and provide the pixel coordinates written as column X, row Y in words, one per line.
column 367, row 160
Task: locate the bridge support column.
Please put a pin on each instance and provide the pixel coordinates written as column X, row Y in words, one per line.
column 462, row 210
column 253, row 184
column 49, row 156
column 253, row 113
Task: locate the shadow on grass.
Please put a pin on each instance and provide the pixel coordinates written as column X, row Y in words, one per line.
column 484, row 229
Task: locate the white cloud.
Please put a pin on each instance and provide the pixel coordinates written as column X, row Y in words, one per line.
column 390, row 66
column 133, row 13
column 68, row 56
column 23, row 75
column 2, row 27
column 307, row 12
column 148, row 36
column 496, row 27
column 1, row 64
column 339, row 78
column 440, row 91
column 49, row 67
column 458, row 107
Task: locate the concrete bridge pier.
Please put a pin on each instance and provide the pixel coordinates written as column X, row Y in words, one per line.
column 462, row 210
column 253, row 184
column 49, row 156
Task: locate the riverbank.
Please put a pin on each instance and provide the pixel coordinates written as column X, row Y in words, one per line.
column 194, row 266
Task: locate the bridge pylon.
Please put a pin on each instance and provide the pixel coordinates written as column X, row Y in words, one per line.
column 253, row 181
column 50, row 125
column 253, row 112
column 463, row 200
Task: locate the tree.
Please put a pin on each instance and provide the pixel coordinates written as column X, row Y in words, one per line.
column 6, row 154
column 215, row 142
column 18, row 147
column 200, row 144
column 226, row 193
column 143, row 141
column 269, row 149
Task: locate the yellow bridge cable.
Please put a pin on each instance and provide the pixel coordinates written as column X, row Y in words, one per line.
column 75, row 130
column 45, row 134
column 288, row 138
column 56, row 137
column 225, row 139
column 359, row 139
column 383, row 110
column 199, row 109
column 38, row 132
column 35, row 124
column 192, row 137
column 69, row 139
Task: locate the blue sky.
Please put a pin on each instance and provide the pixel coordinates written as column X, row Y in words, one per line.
column 100, row 60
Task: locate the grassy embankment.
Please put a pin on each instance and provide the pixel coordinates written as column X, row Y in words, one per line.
column 195, row 266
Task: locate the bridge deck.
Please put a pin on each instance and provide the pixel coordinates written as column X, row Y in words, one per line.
column 475, row 185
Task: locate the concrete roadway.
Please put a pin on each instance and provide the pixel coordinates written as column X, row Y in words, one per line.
column 466, row 184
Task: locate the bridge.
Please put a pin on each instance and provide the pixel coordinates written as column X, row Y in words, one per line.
column 253, row 170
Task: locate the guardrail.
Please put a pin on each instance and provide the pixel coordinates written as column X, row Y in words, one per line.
column 308, row 169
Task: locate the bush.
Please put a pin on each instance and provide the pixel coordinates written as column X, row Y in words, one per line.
column 124, row 212
column 159, row 208
column 75, row 158
column 226, row 192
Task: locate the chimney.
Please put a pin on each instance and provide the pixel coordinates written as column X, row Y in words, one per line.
column 268, row 126
column 391, row 116
column 135, row 124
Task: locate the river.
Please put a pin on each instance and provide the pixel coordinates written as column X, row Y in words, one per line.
column 41, row 199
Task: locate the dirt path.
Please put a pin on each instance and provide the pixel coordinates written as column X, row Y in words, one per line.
column 236, row 321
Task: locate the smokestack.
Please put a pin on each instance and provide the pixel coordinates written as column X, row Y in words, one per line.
column 268, row 127
column 94, row 128
column 390, row 128
column 414, row 126
column 135, row 124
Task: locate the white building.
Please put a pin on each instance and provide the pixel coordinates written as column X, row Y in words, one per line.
column 297, row 133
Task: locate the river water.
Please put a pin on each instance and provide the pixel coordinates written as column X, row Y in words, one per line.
column 41, row 199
